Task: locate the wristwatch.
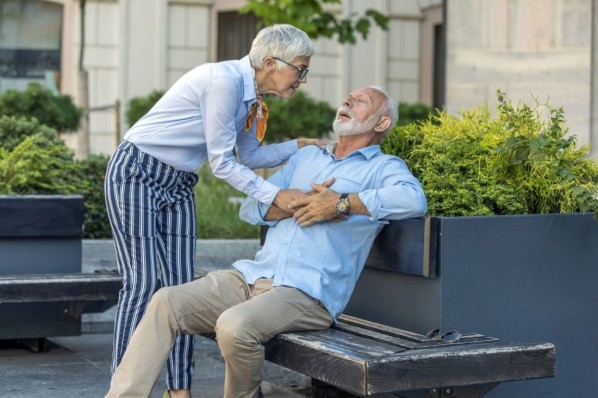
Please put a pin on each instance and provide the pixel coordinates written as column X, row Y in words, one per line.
column 342, row 205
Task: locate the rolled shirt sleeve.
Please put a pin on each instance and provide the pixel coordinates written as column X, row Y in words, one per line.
column 400, row 194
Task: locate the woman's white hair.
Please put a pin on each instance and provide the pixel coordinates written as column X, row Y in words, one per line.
column 389, row 109
column 281, row 41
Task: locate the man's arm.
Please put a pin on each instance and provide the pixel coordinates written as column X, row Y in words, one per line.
column 322, row 206
column 255, row 212
column 275, row 213
column 398, row 196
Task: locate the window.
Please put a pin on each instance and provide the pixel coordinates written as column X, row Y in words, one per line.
column 30, row 38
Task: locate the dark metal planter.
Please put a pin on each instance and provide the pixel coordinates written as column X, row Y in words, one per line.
column 40, row 234
column 517, row 278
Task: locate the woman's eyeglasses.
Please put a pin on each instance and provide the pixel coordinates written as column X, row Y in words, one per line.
column 450, row 337
column 301, row 72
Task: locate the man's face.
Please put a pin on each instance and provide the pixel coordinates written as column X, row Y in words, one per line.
column 358, row 112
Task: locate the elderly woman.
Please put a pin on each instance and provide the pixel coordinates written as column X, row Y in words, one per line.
column 211, row 111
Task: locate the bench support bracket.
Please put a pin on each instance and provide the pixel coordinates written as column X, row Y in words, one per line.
column 473, row 391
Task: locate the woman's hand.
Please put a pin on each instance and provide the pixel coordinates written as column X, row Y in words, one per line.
column 286, row 196
column 301, row 142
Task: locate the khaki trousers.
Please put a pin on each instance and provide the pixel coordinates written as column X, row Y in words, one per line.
column 243, row 316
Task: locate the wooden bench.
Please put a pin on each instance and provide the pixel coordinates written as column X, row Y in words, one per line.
column 366, row 358
column 73, row 293
column 355, row 357
column 75, row 287
column 40, row 242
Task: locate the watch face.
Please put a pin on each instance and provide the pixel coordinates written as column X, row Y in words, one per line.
column 342, row 206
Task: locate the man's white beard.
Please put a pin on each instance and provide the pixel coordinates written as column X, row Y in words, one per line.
column 352, row 126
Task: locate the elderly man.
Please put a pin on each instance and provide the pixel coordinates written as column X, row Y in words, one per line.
column 305, row 273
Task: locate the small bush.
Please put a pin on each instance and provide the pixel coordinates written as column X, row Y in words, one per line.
column 516, row 163
column 92, row 173
column 139, row 106
column 56, row 111
column 38, row 165
column 14, row 129
column 217, row 217
column 300, row 116
column 34, row 161
column 416, row 112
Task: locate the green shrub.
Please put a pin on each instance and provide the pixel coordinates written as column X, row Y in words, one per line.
column 56, row 111
column 13, row 130
column 300, row 116
column 92, row 173
column 34, row 160
column 139, row 106
column 38, row 165
column 415, row 112
column 217, row 217
column 516, row 163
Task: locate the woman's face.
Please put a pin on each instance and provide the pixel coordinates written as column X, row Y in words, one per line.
column 285, row 82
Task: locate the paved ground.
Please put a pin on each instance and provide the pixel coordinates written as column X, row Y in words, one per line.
column 79, row 366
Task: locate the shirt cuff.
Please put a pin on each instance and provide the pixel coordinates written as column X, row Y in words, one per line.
column 371, row 202
column 267, row 192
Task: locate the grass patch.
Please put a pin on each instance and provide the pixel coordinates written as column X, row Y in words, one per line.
column 217, row 217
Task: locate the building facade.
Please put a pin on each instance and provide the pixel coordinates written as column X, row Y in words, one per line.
column 135, row 46
column 445, row 53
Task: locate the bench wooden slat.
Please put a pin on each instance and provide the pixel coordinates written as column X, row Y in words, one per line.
column 460, row 365
column 389, row 330
column 335, row 343
column 59, row 287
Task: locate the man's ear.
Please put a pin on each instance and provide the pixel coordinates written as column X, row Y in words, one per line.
column 383, row 124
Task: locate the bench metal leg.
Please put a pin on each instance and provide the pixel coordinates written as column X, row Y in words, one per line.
column 39, row 344
column 473, row 391
column 323, row 390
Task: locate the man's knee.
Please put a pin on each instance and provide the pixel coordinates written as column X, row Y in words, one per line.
column 161, row 300
column 234, row 332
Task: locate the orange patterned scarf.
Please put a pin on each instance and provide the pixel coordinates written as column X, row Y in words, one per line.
column 258, row 112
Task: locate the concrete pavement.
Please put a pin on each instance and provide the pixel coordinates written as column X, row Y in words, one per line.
column 79, row 366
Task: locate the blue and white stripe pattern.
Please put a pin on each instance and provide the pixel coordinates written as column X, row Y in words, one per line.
column 152, row 213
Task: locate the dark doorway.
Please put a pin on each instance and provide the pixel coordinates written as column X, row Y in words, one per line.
column 235, row 34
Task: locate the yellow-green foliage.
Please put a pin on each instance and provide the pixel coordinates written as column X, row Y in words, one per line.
column 518, row 162
column 38, row 165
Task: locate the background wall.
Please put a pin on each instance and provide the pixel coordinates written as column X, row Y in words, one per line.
column 525, row 47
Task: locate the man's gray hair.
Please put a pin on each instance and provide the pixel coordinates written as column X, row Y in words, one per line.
column 281, row 41
column 390, row 108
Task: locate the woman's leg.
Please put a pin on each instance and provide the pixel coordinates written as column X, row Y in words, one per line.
column 186, row 309
column 131, row 213
column 176, row 252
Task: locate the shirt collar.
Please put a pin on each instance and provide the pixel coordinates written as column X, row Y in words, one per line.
column 248, row 84
column 368, row 152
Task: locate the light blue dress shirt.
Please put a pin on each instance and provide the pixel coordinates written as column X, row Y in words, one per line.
column 325, row 259
column 202, row 117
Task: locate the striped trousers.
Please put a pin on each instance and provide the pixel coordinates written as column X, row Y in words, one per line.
column 152, row 214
